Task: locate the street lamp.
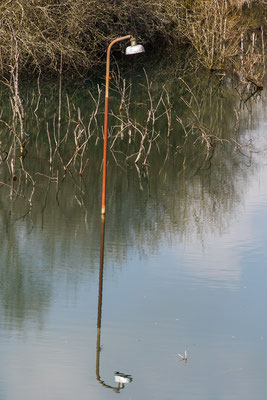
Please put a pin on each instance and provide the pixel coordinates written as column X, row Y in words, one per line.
column 134, row 48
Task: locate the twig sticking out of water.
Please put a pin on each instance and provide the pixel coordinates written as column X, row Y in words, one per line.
column 183, row 357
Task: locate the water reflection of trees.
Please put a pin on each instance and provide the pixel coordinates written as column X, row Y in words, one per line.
column 25, row 291
column 186, row 191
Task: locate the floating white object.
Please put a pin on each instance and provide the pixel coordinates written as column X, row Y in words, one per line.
column 183, row 357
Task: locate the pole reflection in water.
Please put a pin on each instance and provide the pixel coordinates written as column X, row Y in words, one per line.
column 120, row 378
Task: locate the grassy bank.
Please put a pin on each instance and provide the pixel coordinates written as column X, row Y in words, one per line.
column 72, row 35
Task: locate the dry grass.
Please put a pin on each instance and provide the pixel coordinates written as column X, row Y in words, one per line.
column 78, row 31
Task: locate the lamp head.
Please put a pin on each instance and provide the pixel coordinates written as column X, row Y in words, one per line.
column 134, row 48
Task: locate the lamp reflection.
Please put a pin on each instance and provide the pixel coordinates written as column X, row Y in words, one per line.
column 120, row 378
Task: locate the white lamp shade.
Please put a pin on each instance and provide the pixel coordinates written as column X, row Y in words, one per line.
column 137, row 48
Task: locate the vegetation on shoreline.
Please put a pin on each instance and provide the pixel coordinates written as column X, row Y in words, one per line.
column 43, row 37
column 72, row 35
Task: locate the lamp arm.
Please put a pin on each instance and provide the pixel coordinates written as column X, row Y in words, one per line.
column 108, row 59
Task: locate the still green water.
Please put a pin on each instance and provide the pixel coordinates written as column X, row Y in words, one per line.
column 185, row 268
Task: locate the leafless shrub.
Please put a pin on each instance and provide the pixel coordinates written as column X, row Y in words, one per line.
column 72, row 35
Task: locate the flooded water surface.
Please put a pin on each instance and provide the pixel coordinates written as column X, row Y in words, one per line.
column 184, row 268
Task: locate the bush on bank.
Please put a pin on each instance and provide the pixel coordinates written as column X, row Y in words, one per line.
column 72, row 35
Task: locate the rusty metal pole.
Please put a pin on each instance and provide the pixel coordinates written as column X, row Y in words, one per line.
column 104, row 181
